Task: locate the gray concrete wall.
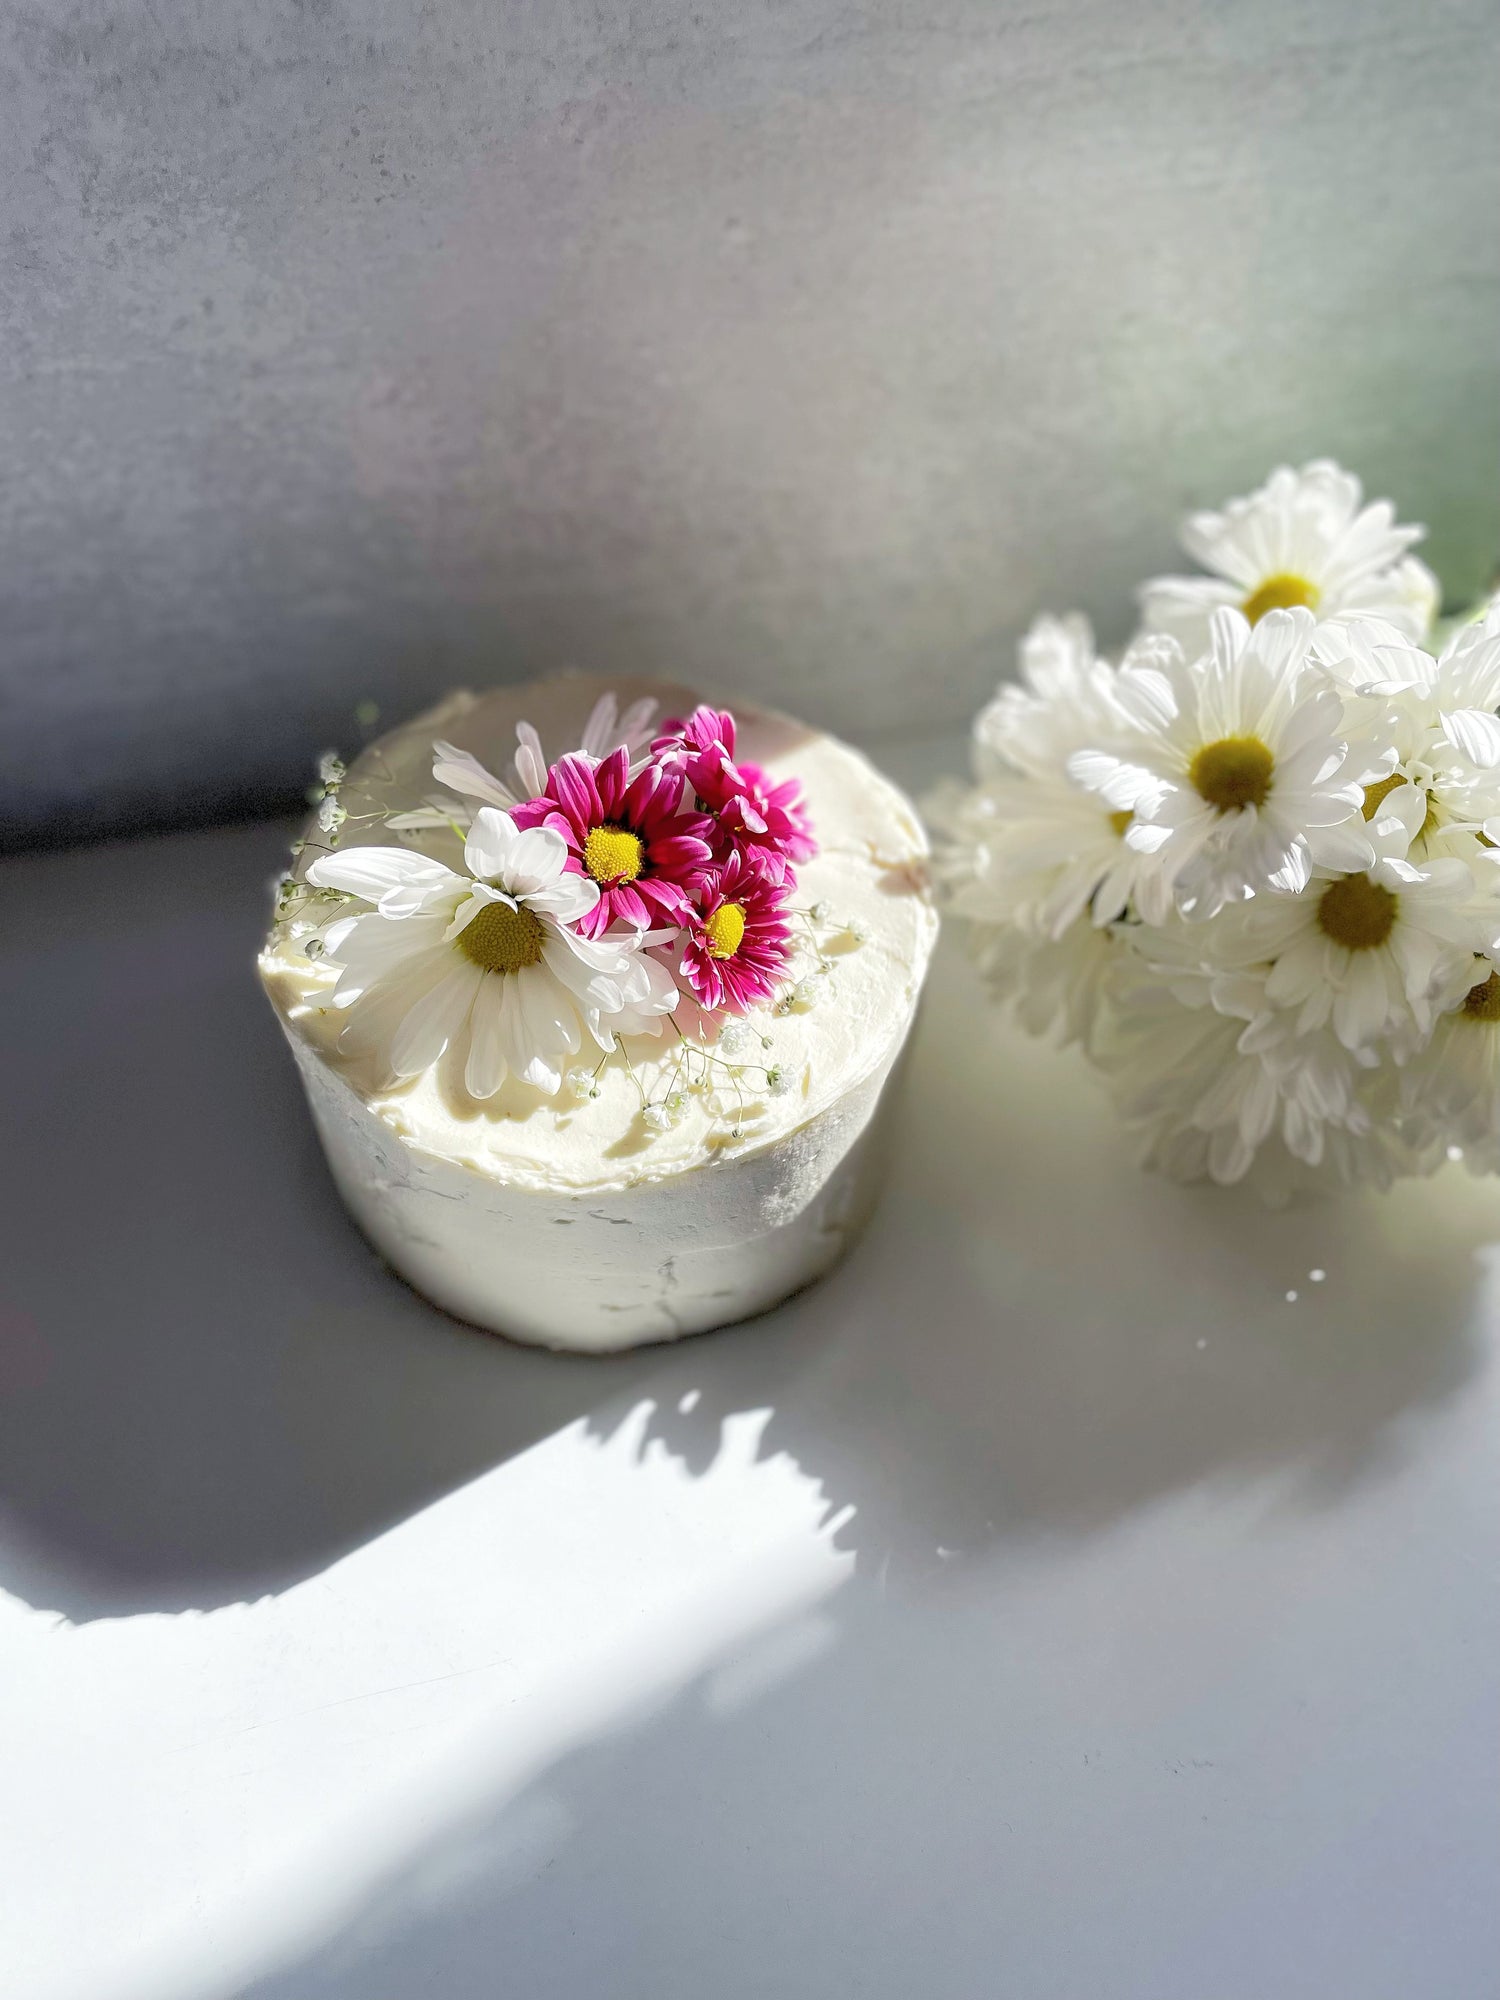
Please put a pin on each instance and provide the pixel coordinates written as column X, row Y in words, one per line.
column 351, row 349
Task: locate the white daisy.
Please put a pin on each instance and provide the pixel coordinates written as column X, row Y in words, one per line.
column 1062, row 698
column 1303, row 539
column 1373, row 953
column 486, row 960
column 1438, row 717
column 1210, row 1070
column 1206, row 1105
column 461, row 772
column 1234, row 766
column 1027, row 844
column 1057, row 988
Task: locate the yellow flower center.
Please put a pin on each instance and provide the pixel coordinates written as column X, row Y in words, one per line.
column 1482, row 1002
column 611, row 854
column 1357, row 913
column 1119, row 821
column 726, row 930
column 1233, row 772
column 501, row 939
column 1280, row 593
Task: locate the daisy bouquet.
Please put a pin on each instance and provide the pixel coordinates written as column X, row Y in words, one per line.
column 639, row 884
column 1253, row 867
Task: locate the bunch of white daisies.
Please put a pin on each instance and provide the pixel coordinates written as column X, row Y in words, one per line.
column 1254, row 867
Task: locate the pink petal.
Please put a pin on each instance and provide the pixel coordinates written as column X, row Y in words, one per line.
column 629, row 907
column 571, row 783
column 610, row 781
column 679, row 854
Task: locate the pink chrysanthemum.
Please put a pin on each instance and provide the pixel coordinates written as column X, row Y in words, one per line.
column 765, row 821
column 737, row 944
column 630, row 835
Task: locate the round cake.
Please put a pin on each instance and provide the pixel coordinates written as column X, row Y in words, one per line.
column 716, row 1145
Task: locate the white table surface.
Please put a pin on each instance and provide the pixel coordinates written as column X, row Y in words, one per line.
column 1045, row 1607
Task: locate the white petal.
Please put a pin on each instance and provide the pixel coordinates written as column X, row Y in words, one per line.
column 1475, row 733
column 429, row 819
column 1345, row 849
column 376, row 947
column 1295, row 872
column 484, row 1072
column 492, row 837
column 543, row 1073
column 612, row 954
column 567, row 899
column 371, row 872
column 511, row 1029
column 1147, row 696
column 1125, row 787
column 335, row 935
column 598, row 737
column 551, row 1019
column 1399, row 818
column 435, row 1019
column 1328, row 807
column 531, row 765
column 377, row 1013
column 1147, row 837
column 661, row 994
column 636, row 722
column 537, row 857
column 464, row 774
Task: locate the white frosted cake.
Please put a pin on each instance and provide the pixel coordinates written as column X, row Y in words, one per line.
column 591, row 1086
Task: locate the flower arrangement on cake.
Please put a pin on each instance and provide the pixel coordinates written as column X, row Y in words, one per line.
column 630, row 887
column 1252, row 868
column 544, row 958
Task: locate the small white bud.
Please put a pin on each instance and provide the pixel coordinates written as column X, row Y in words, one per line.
column 331, row 769
column 734, row 1038
column 331, row 815
column 657, row 1117
column 819, row 913
column 858, row 929
column 805, row 993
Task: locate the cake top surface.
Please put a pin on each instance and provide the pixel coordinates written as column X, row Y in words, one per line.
column 860, row 917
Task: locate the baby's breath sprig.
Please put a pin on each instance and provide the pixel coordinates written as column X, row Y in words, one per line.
column 818, row 926
column 302, row 913
column 325, row 795
column 718, row 1072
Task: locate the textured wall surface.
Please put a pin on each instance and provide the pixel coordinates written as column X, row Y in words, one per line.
column 352, row 348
